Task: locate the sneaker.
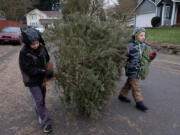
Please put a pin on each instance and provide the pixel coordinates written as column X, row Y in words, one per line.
column 124, row 99
column 47, row 129
column 140, row 106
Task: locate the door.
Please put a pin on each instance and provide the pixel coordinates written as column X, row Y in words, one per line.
column 178, row 15
column 144, row 20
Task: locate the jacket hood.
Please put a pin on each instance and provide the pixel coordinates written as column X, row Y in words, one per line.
column 135, row 31
column 31, row 35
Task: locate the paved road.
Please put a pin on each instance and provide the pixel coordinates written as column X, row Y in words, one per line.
column 161, row 92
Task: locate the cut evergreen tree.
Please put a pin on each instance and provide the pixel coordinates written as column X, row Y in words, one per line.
column 89, row 59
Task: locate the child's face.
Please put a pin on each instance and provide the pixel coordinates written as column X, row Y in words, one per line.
column 35, row 45
column 141, row 37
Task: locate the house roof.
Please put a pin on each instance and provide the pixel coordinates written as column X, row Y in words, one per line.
column 48, row 13
column 34, row 10
column 52, row 13
column 141, row 4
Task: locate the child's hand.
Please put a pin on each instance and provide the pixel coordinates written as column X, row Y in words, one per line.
column 49, row 74
column 153, row 55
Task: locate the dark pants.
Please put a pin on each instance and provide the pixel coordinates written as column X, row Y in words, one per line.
column 39, row 94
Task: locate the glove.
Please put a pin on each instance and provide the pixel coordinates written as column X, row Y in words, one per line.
column 152, row 55
column 49, row 74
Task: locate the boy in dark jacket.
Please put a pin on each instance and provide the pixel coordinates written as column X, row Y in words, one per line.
column 135, row 51
column 32, row 60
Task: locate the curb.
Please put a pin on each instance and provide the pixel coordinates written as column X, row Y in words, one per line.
column 165, row 48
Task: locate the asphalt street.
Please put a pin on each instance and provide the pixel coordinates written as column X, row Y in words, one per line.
column 161, row 92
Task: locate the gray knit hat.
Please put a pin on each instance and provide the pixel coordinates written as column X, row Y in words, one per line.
column 137, row 30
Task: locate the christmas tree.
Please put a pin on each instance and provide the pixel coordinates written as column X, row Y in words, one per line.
column 89, row 59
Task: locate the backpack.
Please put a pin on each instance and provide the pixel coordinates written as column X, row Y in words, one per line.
column 145, row 63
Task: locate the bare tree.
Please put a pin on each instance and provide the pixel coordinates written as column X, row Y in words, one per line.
column 82, row 6
column 126, row 6
column 123, row 10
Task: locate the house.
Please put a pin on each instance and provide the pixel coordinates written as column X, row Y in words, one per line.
column 167, row 10
column 144, row 11
column 37, row 17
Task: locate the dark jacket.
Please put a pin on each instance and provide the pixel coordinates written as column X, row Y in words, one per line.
column 133, row 56
column 32, row 64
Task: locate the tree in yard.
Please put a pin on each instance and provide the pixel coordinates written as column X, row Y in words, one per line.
column 83, row 7
column 45, row 5
column 15, row 9
column 90, row 54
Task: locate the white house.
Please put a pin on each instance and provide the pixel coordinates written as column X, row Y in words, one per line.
column 145, row 11
column 168, row 10
column 37, row 17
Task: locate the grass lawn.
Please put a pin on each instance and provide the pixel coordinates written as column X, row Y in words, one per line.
column 164, row 35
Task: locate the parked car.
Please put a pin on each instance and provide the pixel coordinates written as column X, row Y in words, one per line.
column 40, row 28
column 11, row 35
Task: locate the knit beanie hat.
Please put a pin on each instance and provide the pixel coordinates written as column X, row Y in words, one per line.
column 136, row 32
column 30, row 35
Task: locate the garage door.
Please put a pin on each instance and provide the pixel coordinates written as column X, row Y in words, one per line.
column 144, row 20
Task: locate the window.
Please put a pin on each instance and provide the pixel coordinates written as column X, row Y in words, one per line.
column 33, row 17
column 11, row 29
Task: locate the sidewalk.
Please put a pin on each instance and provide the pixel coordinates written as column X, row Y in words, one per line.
column 169, row 62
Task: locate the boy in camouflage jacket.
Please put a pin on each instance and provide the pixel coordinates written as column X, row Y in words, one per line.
column 136, row 48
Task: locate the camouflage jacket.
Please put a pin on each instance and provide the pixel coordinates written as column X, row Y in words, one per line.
column 135, row 51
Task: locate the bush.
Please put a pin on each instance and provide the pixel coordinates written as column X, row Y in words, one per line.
column 89, row 58
column 156, row 21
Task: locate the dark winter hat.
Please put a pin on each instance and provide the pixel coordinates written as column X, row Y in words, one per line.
column 137, row 30
column 30, row 35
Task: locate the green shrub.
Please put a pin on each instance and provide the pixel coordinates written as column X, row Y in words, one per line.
column 156, row 21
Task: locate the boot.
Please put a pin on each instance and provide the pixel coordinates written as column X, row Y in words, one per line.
column 124, row 99
column 140, row 106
